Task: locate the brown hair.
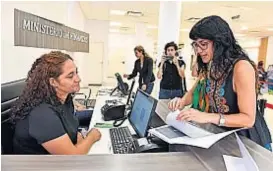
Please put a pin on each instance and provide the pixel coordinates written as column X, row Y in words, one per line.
column 141, row 49
column 38, row 88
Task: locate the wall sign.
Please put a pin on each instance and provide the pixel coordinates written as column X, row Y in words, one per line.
column 34, row 31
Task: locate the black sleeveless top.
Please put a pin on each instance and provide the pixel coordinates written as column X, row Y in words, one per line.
column 223, row 99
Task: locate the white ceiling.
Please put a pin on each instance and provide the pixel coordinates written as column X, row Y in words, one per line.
column 255, row 16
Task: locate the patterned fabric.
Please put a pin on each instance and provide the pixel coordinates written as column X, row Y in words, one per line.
column 219, row 97
column 215, row 91
column 200, row 99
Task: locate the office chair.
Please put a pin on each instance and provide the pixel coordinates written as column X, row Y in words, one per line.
column 85, row 115
column 86, row 101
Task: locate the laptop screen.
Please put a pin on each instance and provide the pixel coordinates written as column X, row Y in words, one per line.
column 143, row 108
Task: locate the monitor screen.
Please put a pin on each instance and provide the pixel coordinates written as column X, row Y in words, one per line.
column 143, row 108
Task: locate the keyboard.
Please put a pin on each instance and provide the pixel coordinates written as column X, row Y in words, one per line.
column 90, row 103
column 122, row 140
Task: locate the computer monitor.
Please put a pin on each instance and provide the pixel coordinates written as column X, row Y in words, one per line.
column 142, row 110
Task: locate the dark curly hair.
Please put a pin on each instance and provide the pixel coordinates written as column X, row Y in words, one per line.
column 226, row 48
column 38, row 88
column 170, row 44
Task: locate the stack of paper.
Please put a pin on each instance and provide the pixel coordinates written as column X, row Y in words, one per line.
column 181, row 132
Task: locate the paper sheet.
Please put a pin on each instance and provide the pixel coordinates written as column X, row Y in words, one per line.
column 203, row 142
column 189, row 134
column 142, row 141
column 246, row 163
column 186, row 127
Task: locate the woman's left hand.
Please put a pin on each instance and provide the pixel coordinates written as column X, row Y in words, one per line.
column 175, row 60
column 144, row 87
column 194, row 115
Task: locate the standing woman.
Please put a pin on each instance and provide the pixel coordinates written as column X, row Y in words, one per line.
column 226, row 91
column 143, row 66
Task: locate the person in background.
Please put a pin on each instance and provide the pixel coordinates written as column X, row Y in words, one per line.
column 143, row 66
column 226, row 92
column 171, row 72
column 43, row 116
column 270, row 79
column 262, row 74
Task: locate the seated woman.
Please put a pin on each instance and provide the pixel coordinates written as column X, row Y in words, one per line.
column 44, row 113
column 226, row 91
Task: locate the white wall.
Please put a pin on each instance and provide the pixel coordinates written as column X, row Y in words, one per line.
column 269, row 54
column 251, row 47
column 17, row 60
column 98, row 31
column 76, row 19
column 121, row 47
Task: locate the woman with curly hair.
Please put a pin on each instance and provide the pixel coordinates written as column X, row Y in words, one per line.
column 43, row 115
column 226, row 91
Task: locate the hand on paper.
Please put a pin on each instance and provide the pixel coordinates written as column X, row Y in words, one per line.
column 194, row 115
column 176, row 104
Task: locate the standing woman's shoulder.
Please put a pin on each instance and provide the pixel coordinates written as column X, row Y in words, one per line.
column 150, row 59
column 243, row 67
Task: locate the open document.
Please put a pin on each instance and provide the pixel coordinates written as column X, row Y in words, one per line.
column 246, row 163
column 182, row 132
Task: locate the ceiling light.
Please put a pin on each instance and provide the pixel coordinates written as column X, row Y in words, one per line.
column 239, row 35
column 112, row 23
column 117, row 12
column 193, row 19
column 245, row 8
column 270, row 29
column 114, row 30
column 185, row 30
column 244, row 28
column 152, row 27
column 135, row 13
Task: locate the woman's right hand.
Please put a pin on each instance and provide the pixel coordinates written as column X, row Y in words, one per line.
column 95, row 133
column 162, row 59
column 176, row 103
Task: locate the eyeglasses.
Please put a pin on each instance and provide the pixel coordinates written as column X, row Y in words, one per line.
column 202, row 45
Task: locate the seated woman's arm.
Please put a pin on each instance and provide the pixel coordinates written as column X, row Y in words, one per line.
column 63, row 145
column 79, row 137
column 46, row 127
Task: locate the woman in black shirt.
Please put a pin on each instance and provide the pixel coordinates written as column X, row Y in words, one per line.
column 143, row 66
column 226, row 90
column 43, row 114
